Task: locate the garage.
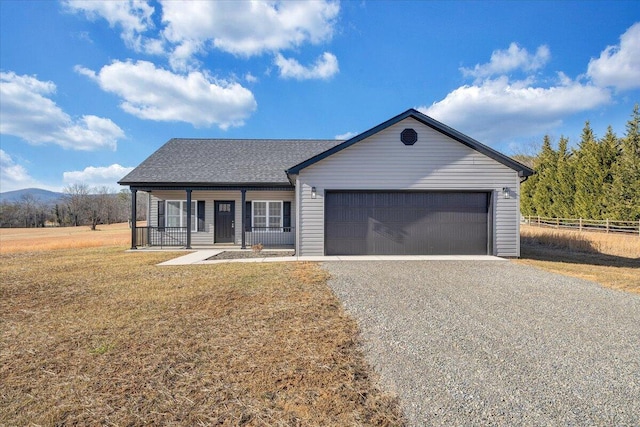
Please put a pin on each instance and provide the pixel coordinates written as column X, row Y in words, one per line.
column 406, row 223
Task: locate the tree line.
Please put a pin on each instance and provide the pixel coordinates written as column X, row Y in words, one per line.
column 598, row 179
column 80, row 205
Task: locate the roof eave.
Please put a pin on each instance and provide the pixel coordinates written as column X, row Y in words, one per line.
column 196, row 185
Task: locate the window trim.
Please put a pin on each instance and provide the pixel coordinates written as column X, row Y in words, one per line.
column 194, row 214
column 279, row 228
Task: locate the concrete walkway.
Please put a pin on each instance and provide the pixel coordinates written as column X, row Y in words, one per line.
column 202, row 256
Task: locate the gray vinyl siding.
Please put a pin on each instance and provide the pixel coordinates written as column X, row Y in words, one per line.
column 206, row 238
column 434, row 162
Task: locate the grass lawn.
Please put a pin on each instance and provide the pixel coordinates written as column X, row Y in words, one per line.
column 97, row 336
column 613, row 260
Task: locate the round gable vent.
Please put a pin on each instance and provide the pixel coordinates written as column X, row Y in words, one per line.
column 409, row 136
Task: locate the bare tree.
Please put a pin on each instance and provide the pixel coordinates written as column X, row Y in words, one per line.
column 33, row 211
column 77, row 199
column 10, row 214
column 101, row 207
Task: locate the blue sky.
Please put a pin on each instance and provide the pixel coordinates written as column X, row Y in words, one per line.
column 89, row 89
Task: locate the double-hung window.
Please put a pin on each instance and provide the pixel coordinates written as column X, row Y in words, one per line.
column 266, row 215
column 176, row 214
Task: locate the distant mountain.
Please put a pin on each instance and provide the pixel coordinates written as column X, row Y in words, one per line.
column 42, row 195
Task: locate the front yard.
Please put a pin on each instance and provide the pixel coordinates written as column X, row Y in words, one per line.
column 97, row 336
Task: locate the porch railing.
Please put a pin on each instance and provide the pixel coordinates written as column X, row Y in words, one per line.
column 270, row 237
column 161, row 236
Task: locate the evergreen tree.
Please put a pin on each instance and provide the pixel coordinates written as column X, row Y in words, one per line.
column 588, row 176
column 527, row 189
column 564, row 189
column 626, row 179
column 546, row 170
column 609, row 152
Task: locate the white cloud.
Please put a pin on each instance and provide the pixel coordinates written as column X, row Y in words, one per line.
column 250, row 78
column 245, row 28
column 28, row 113
column 133, row 16
column 242, row 28
column 498, row 110
column 346, row 135
column 325, row 67
column 14, row 176
column 514, row 58
column 619, row 66
column 157, row 94
column 97, row 176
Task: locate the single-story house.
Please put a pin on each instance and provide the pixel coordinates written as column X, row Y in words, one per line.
column 410, row 185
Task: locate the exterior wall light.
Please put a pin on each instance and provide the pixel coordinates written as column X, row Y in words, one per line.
column 506, row 193
column 313, row 192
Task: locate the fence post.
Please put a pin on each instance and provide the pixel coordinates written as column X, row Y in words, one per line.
column 607, row 225
column 557, row 222
column 580, row 227
column 538, row 220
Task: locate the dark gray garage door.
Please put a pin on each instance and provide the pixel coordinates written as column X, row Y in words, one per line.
column 406, row 223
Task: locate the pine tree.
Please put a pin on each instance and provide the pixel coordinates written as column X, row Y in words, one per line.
column 546, row 171
column 588, row 176
column 564, row 189
column 527, row 189
column 626, row 179
column 609, row 151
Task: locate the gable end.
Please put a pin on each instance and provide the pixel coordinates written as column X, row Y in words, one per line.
column 523, row 171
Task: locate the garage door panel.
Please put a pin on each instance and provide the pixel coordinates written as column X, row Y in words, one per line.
column 389, row 223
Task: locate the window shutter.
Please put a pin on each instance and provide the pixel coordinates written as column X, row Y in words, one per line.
column 201, row 215
column 286, row 215
column 161, row 215
column 247, row 216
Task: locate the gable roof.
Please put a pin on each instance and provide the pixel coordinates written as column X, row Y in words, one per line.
column 224, row 162
column 523, row 171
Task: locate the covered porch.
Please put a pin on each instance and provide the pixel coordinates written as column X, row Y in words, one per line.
column 215, row 217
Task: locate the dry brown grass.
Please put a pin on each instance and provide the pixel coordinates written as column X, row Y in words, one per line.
column 45, row 239
column 613, row 260
column 617, row 244
column 102, row 337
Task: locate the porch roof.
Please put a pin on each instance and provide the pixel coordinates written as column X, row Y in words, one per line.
column 224, row 162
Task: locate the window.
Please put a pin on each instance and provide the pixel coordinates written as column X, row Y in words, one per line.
column 176, row 214
column 267, row 214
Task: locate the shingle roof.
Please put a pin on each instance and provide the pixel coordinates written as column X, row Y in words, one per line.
column 224, row 161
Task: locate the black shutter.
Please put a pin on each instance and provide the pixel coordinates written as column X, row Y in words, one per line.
column 247, row 216
column 161, row 215
column 286, row 216
column 201, row 215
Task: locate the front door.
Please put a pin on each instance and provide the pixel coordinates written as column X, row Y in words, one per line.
column 224, row 221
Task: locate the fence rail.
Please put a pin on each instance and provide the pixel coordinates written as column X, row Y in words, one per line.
column 581, row 224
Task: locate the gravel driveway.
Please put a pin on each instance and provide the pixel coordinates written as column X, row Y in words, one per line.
column 496, row 343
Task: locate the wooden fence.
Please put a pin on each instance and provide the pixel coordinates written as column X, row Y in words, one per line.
column 600, row 225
